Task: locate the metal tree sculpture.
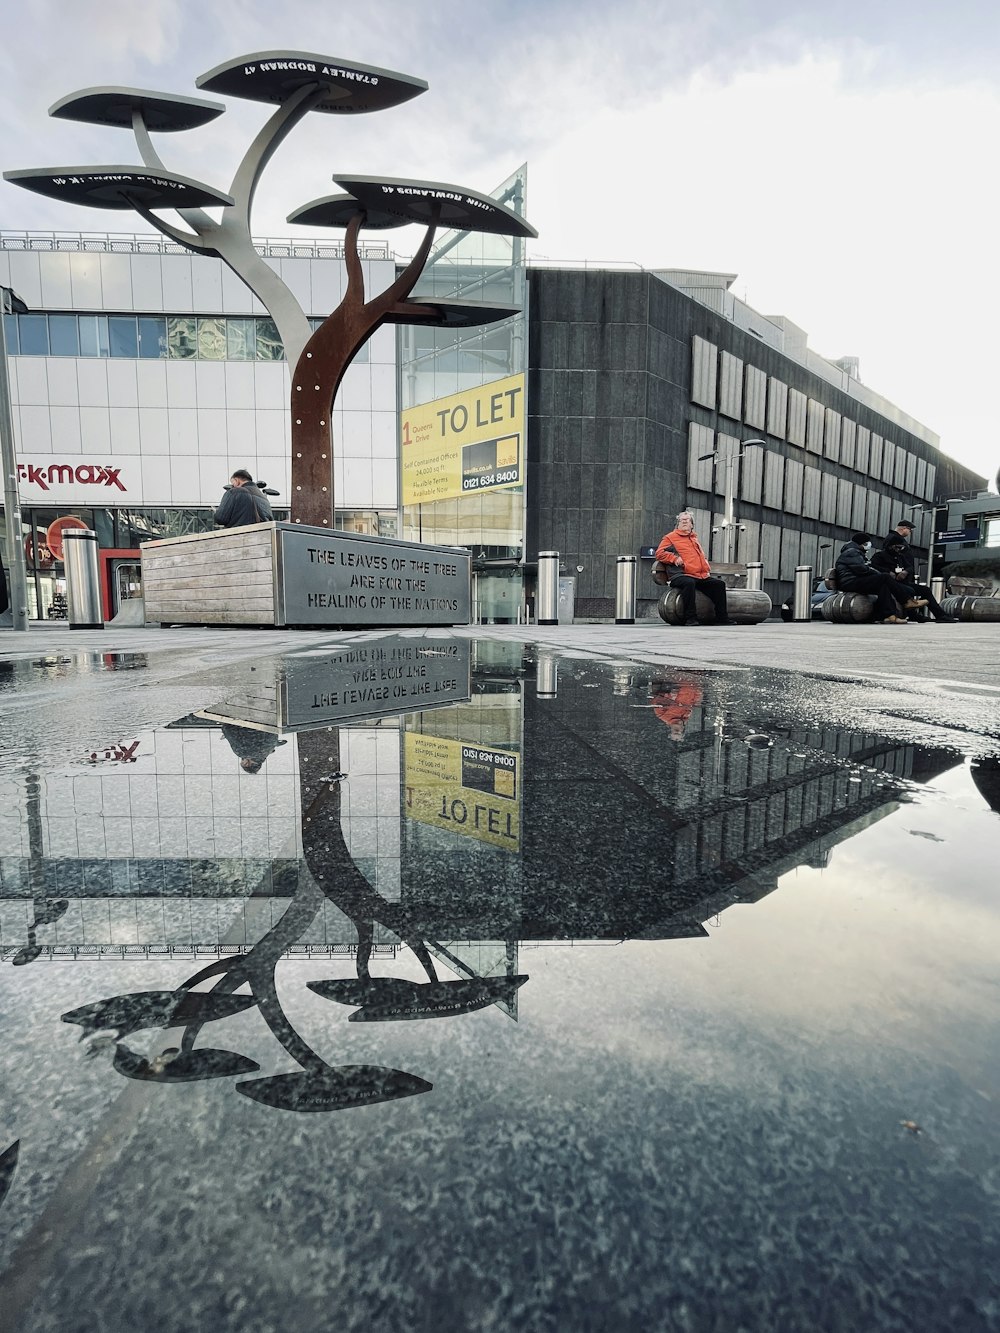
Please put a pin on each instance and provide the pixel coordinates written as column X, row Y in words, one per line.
column 316, row 1085
column 298, row 82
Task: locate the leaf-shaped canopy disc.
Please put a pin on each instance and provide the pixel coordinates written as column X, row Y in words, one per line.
column 272, row 76
column 337, row 1089
column 336, row 210
column 118, row 187
column 185, row 1067
column 415, row 201
column 442, row 999
column 162, row 112
column 157, row 1008
column 450, row 314
column 8, row 1164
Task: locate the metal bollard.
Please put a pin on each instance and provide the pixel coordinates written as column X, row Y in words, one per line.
column 83, row 588
column 937, row 588
column 547, row 597
column 546, row 676
column 755, row 576
column 625, row 569
column 802, row 596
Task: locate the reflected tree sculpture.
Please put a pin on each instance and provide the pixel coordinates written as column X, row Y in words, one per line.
column 298, row 83
column 316, row 1085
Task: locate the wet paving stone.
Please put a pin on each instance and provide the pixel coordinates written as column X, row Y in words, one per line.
column 425, row 983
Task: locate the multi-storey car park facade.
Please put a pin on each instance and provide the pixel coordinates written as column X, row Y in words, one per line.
column 639, row 378
column 143, row 375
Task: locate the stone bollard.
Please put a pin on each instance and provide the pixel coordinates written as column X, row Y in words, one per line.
column 849, row 608
column 982, row 609
column 746, row 607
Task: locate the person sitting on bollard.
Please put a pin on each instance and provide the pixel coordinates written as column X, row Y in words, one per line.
column 681, row 550
column 887, row 561
column 243, row 503
column 900, row 539
column 855, row 574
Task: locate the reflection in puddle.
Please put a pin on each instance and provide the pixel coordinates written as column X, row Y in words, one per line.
column 398, row 803
column 353, row 882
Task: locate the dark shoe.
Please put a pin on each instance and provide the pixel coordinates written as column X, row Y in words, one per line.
column 946, row 620
column 725, row 622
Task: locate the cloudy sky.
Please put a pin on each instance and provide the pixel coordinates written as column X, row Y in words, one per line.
column 841, row 159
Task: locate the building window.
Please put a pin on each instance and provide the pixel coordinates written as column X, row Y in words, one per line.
column 269, row 346
column 93, row 335
column 182, row 337
column 34, row 335
column 123, row 338
column 150, row 337
column 64, row 335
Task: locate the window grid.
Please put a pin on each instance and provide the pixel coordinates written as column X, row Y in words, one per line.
column 150, row 337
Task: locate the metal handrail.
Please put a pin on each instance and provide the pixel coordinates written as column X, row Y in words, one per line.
column 152, row 244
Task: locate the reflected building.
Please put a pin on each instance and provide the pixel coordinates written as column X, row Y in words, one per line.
column 460, row 806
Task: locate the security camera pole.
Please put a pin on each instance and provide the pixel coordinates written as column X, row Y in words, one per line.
column 18, row 590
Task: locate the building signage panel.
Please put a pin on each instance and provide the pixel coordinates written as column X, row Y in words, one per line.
column 969, row 534
column 377, row 679
column 330, row 578
column 465, row 444
column 75, row 479
column 464, row 788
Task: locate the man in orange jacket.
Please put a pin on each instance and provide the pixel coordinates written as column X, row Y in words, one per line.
column 681, row 550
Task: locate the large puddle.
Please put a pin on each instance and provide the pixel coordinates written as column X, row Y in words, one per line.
column 435, row 984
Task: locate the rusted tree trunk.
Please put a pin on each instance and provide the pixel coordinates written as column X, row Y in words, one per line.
column 324, row 360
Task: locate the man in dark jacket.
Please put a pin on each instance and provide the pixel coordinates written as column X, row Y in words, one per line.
column 899, row 538
column 242, row 503
column 855, row 574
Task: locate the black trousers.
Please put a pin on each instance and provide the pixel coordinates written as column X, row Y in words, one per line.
column 888, row 591
column 933, row 605
column 714, row 589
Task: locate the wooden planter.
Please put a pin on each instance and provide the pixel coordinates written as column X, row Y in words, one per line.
column 282, row 574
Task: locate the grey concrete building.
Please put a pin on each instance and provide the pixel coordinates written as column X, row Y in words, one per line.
column 636, row 378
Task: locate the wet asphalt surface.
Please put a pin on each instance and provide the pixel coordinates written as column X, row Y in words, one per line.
column 576, row 977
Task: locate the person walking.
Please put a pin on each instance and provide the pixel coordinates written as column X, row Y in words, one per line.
column 243, row 503
column 680, row 550
column 906, row 558
column 855, row 574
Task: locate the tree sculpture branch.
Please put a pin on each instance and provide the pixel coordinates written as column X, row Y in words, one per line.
column 321, row 367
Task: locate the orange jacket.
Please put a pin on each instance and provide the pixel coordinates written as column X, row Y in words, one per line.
column 687, row 546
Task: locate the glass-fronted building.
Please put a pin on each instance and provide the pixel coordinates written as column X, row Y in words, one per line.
column 463, row 393
column 142, row 376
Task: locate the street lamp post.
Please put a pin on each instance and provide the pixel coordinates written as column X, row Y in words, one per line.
column 10, row 303
column 729, row 519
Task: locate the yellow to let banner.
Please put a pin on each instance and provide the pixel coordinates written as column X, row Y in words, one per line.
column 467, row 789
column 464, row 444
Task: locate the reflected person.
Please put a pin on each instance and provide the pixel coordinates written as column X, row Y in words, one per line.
column 674, row 702
column 249, row 745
